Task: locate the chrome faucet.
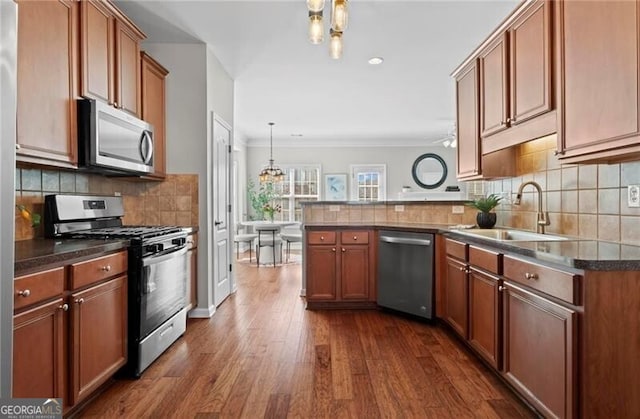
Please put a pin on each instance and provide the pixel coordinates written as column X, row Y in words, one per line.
column 541, row 217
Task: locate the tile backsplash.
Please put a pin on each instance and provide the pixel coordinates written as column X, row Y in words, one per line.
column 587, row 200
column 173, row 201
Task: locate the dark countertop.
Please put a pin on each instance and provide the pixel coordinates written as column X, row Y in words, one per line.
column 591, row 255
column 38, row 254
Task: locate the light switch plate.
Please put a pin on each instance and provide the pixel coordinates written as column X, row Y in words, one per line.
column 399, row 208
column 633, row 196
column 457, row 209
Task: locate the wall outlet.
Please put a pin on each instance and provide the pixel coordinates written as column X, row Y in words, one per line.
column 633, row 196
column 457, row 209
column 117, row 194
column 399, row 208
column 334, row 208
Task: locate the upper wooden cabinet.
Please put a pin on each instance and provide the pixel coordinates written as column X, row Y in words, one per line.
column 598, row 68
column 110, row 65
column 471, row 163
column 516, row 97
column 154, row 109
column 47, row 82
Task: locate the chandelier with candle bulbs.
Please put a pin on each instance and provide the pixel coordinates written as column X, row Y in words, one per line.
column 339, row 15
column 271, row 173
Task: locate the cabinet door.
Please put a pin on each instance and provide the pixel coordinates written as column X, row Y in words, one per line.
column 598, row 48
column 493, row 87
column 467, row 111
column 47, row 80
column 99, row 335
column 530, row 63
column 154, row 109
column 354, row 272
column 484, row 316
column 38, row 361
column 321, row 272
column 127, row 65
column 97, row 48
column 540, row 351
column 456, row 291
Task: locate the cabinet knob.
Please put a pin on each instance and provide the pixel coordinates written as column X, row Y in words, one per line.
column 321, row 238
column 508, row 120
column 333, row 249
column 343, row 249
column 24, row 293
column 462, row 269
column 502, row 288
column 115, row 104
column 527, row 275
column 64, row 307
column 106, row 268
column 17, row 146
column 79, row 300
column 355, row 237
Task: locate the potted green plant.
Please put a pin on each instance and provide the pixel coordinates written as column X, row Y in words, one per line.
column 486, row 218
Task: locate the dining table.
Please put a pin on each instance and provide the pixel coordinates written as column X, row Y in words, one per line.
column 267, row 253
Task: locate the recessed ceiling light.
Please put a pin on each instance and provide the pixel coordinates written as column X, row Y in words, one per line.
column 376, row 60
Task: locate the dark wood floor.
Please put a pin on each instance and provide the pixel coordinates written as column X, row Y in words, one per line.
column 263, row 355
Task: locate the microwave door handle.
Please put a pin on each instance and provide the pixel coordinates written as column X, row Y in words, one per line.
column 146, row 140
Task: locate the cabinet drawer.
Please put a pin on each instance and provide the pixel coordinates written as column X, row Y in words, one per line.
column 456, row 249
column 559, row 284
column 486, row 259
column 353, row 237
column 321, row 237
column 31, row 289
column 94, row 270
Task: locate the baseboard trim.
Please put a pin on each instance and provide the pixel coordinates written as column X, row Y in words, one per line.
column 202, row 313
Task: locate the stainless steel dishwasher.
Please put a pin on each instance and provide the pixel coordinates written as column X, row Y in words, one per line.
column 405, row 272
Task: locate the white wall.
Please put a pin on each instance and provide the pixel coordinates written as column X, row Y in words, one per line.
column 399, row 161
column 196, row 86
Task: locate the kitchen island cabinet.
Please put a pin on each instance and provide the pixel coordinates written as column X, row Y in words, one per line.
column 47, row 83
column 339, row 268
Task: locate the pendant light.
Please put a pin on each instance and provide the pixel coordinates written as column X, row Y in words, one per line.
column 339, row 15
column 316, row 29
column 271, row 173
column 335, row 47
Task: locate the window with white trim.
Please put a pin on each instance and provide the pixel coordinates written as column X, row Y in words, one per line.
column 368, row 182
column 301, row 183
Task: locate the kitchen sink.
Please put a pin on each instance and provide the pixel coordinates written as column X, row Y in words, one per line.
column 500, row 234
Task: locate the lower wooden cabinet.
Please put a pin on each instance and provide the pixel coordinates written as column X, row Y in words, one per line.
column 68, row 342
column 339, row 268
column 540, row 340
column 456, row 297
column 38, row 351
column 99, row 335
column 484, row 315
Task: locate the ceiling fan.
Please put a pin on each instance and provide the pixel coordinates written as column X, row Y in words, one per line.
column 449, row 140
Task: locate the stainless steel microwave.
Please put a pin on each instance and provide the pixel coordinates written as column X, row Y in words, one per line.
column 111, row 141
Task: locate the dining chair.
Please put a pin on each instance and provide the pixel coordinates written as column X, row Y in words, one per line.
column 268, row 237
column 291, row 234
column 243, row 238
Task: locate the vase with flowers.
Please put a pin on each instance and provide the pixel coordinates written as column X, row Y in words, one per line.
column 264, row 200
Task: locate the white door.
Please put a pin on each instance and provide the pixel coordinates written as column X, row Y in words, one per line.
column 221, row 210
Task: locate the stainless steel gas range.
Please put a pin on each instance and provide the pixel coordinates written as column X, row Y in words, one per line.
column 157, row 269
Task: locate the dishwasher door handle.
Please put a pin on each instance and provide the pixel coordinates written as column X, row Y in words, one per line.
column 404, row 240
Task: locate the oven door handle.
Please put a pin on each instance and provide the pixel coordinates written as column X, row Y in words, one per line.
column 152, row 260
